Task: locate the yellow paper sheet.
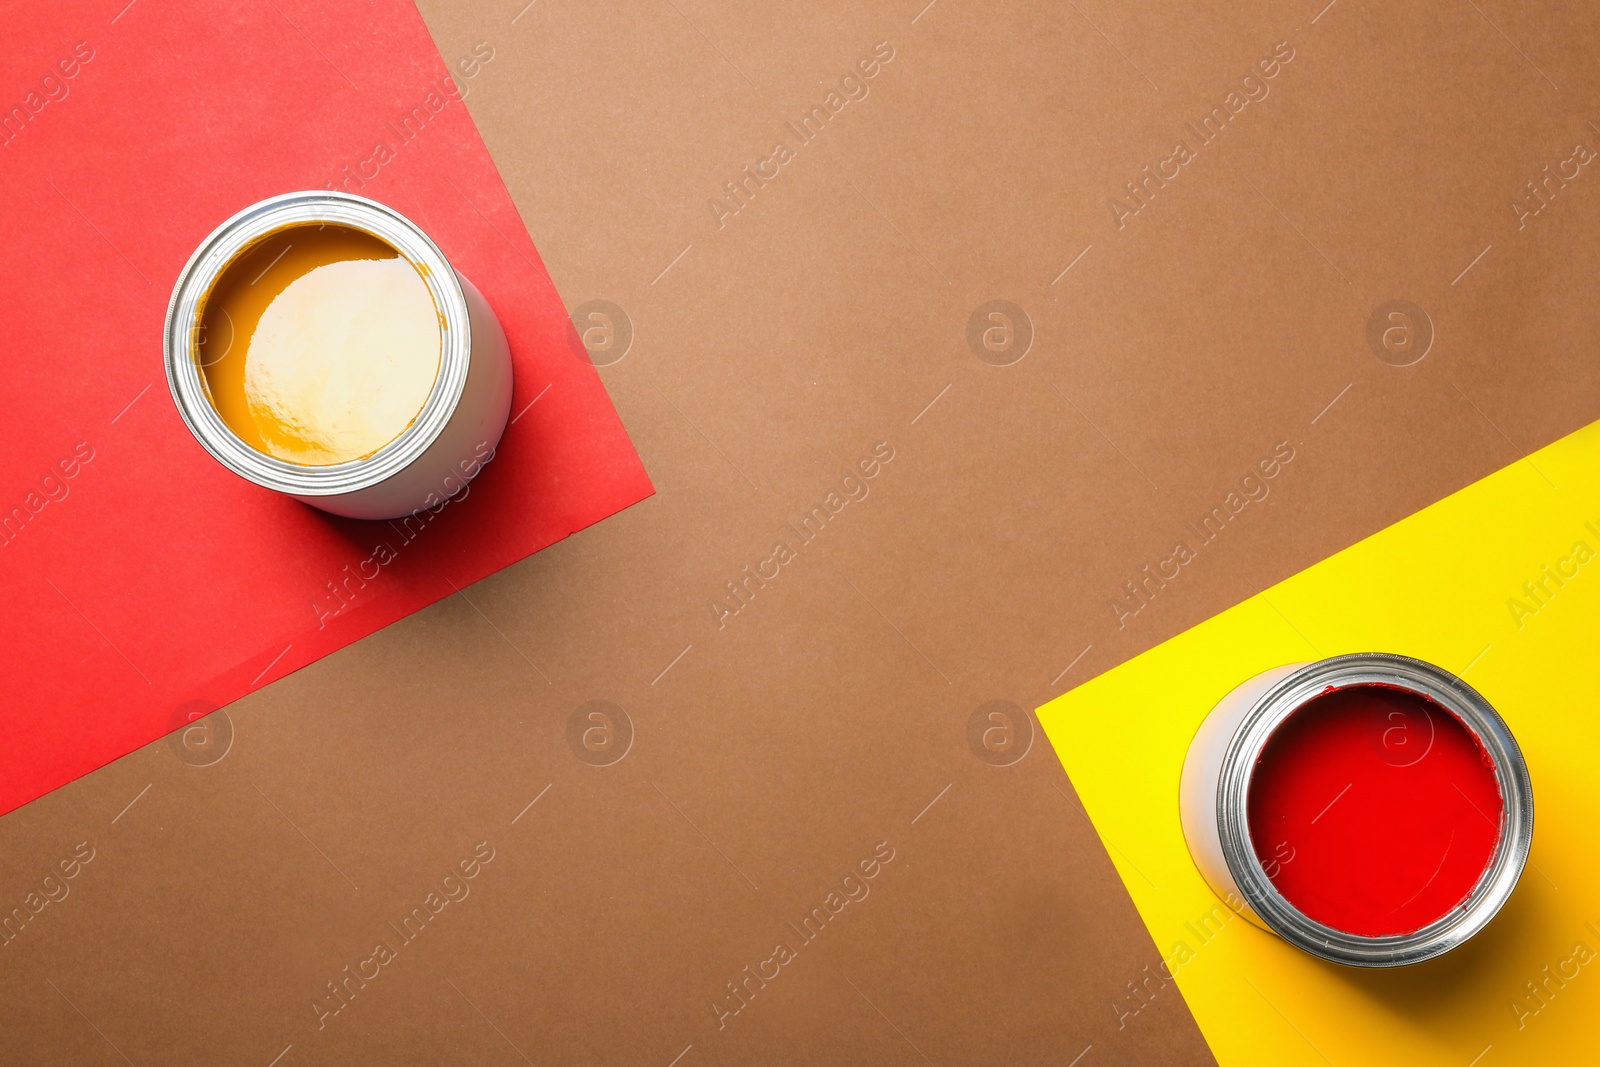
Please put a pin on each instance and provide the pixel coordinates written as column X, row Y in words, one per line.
column 1446, row 585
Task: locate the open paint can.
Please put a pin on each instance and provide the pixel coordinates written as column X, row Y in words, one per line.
column 320, row 345
column 1371, row 809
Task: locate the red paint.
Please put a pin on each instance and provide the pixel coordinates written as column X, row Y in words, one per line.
column 1374, row 810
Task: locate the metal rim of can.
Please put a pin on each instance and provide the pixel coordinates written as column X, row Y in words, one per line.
column 241, row 232
column 1494, row 885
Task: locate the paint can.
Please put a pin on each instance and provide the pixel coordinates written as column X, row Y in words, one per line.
column 456, row 429
column 1409, row 736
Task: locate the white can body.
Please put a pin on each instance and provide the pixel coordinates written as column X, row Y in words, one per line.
column 1202, row 775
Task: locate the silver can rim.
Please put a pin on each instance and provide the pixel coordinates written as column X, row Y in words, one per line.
column 1494, row 886
column 222, row 247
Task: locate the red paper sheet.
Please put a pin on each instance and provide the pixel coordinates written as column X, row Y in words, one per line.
column 141, row 580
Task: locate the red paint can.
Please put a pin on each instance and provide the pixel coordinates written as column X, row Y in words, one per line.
column 1371, row 809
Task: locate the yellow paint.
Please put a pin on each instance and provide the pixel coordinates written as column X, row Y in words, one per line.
column 319, row 345
column 1446, row 585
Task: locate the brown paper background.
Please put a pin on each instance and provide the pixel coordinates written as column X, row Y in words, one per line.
column 831, row 713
